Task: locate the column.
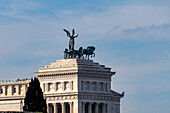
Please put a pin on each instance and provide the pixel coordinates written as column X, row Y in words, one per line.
column 97, row 108
column 48, row 108
column 71, row 85
column 55, row 108
column 103, row 108
column 54, row 86
column 17, row 89
column 71, row 107
column 79, row 106
column 46, row 87
column 9, row 90
column 24, row 90
column 83, row 107
column 106, row 108
column 63, row 107
column 62, row 84
column 89, row 107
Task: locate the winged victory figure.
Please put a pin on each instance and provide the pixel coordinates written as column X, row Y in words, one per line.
column 71, row 41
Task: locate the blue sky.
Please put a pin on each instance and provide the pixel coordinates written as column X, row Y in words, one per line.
column 131, row 36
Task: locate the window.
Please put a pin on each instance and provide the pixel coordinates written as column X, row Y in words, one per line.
column 14, row 90
column 101, row 86
column 1, row 91
column 50, row 86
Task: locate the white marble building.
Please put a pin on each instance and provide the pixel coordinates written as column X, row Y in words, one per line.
column 69, row 86
column 78, row 86
column 12, row 94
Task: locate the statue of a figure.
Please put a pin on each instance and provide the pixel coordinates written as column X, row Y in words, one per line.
column 81, row 53
column 71, row 41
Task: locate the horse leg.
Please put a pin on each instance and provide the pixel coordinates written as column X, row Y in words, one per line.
column 87, row 57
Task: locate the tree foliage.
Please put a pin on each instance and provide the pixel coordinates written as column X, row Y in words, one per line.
column 34, row 100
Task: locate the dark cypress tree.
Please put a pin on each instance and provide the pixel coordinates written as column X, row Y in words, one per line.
column 34, row 100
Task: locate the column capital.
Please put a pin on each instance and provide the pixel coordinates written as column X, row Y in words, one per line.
column 83, row 103
column 62, row 103
column 71, row 103
column 54, row 104
column 97, row 103
column 90, row 103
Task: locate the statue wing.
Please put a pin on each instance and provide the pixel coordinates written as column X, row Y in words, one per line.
column 73, row 32
column 68, row 33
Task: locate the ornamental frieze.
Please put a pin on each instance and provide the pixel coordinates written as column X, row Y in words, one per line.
column 62, row 98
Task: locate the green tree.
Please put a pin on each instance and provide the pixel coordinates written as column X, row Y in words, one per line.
column 34, row 100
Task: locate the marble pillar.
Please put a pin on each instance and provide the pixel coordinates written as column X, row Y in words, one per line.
column 55, row 108
column 46, row 87
column 103, row 108
column 97, row 108
column 54, row 86
column 71, row 107
column 90, row 107
column 17, row 89
column 48, row 108
column 63, row 107
column 83, row 107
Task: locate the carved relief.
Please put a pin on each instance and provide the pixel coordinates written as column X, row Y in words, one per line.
column 93, row 86
column 66, row 86
column 59, row 86
column 87, row 85
column 50, row 86
column 55, row 86
column 100, row 86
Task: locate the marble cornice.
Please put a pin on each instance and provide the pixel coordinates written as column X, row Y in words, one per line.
column 98, row 94
column 60, row 94
column 12, row 97
column 58, row 98
column 54, row 73
column 15, row 83
column 82, row 97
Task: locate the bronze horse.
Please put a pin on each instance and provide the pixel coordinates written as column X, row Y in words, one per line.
column 81, row 53
column 89, row 52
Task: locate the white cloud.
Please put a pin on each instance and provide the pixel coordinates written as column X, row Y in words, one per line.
column 153, row 32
